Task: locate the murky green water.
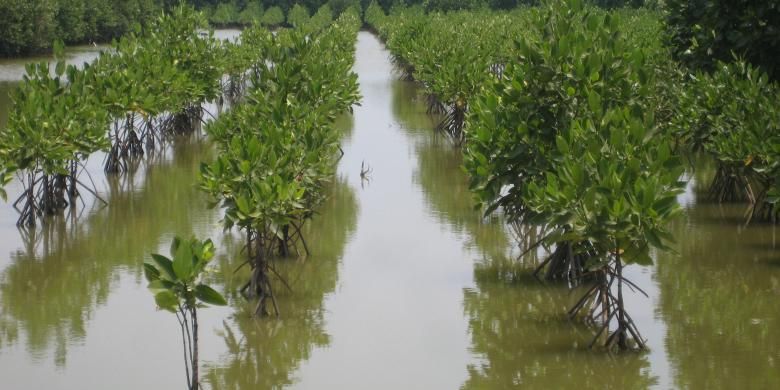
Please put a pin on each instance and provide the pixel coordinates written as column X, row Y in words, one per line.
column 407, row 286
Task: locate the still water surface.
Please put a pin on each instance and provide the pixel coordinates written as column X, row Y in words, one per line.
column 407, row 287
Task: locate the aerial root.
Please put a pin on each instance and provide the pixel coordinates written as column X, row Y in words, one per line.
column 616, row 330
column 453, row 124
column 731, row 185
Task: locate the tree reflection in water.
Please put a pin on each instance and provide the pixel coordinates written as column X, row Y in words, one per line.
column 518, row 326
column 719, row 299
column 264, row 353
column 66, row 270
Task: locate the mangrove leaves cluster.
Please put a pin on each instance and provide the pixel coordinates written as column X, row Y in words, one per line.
column 732, row 116
column 559, row 130
column 278, row 146
column 62, row 114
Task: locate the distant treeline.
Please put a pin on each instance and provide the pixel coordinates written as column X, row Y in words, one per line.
column 30, row 26
column 234, row 8
column 272, row 12
column 701, row 31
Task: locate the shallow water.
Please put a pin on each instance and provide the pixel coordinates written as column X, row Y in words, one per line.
column 407, row 286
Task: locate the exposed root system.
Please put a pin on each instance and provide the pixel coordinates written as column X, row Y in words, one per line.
column 497, row 69
column 233, row 89
column 46, row 195
column 454, row 123
column 405, row 70
column 763, row 209
column 435, row 106
column 261, row 247
column 731, row 185
column 605, row 310
column 187, row 121
column 566, row 263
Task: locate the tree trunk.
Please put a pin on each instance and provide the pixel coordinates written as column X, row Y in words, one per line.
column 622, row 325
column 605, row 311
column 260, row 281
column 31, row 202
column 284, row 248
column 73, row 192
column 194, row 364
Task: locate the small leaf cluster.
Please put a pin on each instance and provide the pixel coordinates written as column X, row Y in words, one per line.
column 732, row 115
column 298, row 16
column 612, row 181
column 57, row 116
column 176, row 281
column 273, row 17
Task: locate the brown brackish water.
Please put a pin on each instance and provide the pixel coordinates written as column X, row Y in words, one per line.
column 407, row 287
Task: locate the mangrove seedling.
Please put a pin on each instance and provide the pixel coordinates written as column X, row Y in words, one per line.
column 616, row 188
column 178, row 287
column 55, row 123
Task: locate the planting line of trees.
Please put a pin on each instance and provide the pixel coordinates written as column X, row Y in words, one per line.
column 451, row 55
column 277, row 149
column 150, row 85
column 731, row 115
column 277, row 146
column 574, row 120
column 727, row 98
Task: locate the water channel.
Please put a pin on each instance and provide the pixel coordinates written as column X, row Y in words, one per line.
column 407, row 286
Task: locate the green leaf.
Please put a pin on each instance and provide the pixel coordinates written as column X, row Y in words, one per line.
column 166, row 300
column 165, row 265
column 653, row 239
column 641, row 258
column 245, row 167
column 563, row 147
column 208, row 295
column 665, row 205
column 182, row 262
column 175, row 245
column 161, row 285
column 59, row 69
column 594, row 102
column 151, row 272
column 242, row 204
column 207, row 251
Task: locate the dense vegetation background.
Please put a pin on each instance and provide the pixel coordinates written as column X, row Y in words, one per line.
column 700, row 32
column 704, row 30
column 31, row 26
